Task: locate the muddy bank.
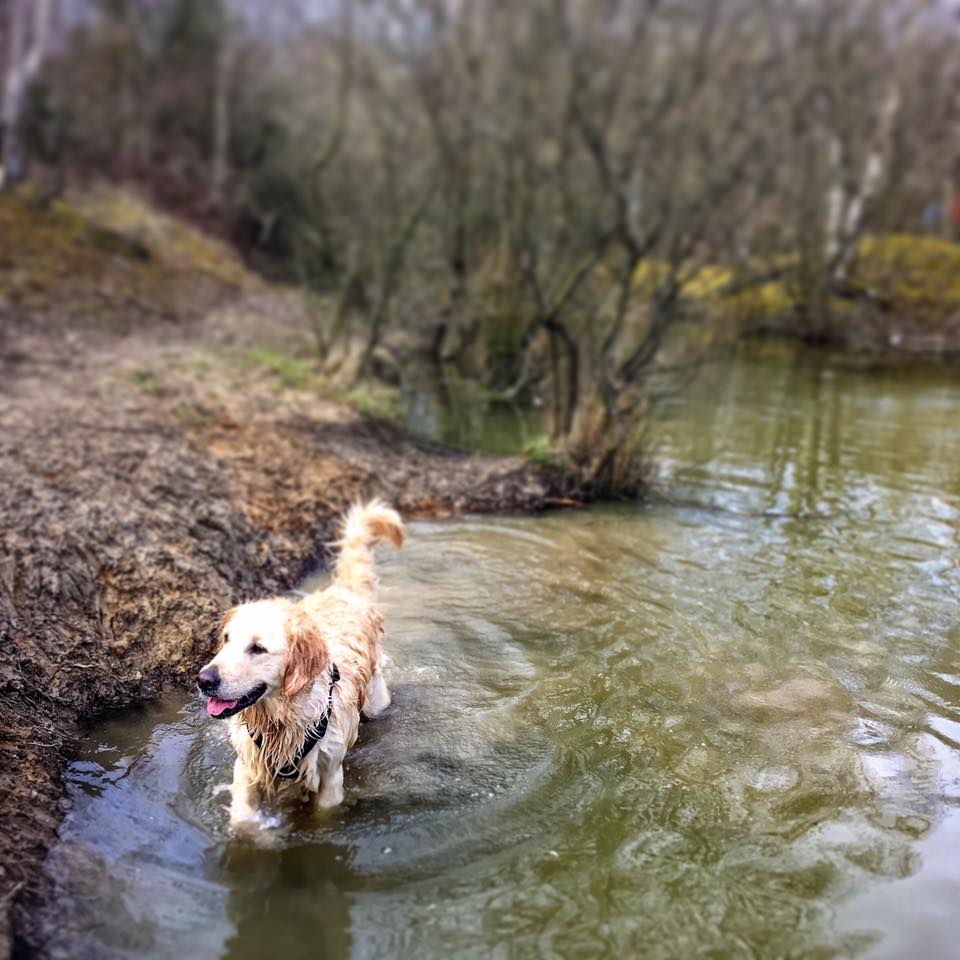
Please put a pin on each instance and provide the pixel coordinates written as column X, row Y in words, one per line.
column 135, row 506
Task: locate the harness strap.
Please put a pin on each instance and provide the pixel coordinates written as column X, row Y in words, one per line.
column 315, row 734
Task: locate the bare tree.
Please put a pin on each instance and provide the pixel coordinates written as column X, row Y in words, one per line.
column 528, row 193
column 220, row 139
column 27, row 33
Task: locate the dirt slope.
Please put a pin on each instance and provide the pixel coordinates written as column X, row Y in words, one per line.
column 147, row 481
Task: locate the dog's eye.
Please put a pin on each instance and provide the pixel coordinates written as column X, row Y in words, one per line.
column 256, row 648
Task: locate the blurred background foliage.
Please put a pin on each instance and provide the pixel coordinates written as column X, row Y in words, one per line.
column 561, row 202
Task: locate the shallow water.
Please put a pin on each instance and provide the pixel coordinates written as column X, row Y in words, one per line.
column 720, row 730
column 446, row 409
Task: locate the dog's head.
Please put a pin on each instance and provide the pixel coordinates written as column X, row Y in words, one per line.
column 268, row 649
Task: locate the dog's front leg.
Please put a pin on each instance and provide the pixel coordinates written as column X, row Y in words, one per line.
column 378, row 696
column 244, row 796
column 330, row 793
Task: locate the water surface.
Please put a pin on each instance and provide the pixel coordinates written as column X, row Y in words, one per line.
column 724, row 724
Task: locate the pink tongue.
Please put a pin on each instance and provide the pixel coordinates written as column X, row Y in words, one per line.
column 216, row 707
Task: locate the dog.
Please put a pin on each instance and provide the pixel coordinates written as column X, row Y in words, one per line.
column 294, row 676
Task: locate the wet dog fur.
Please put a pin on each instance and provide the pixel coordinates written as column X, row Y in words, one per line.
column 271, row 677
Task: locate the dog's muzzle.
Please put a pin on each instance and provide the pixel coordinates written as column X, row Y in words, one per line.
column 221, row 708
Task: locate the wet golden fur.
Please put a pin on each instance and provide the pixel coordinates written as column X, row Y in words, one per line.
column 298, row 642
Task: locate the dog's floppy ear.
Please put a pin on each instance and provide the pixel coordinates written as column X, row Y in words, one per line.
column 220, row 630
column 307, row 654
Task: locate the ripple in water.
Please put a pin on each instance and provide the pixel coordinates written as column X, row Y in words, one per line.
column 654, row 731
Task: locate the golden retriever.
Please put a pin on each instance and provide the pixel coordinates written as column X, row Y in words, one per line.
column 294, row 676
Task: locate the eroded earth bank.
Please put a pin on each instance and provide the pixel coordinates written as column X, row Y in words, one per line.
column 150, row 476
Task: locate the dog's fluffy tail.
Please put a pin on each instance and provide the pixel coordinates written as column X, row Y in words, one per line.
column 365, row 525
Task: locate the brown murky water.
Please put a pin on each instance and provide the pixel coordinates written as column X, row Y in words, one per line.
column 727, row 730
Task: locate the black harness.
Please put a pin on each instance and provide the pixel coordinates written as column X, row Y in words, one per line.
column 314, row 735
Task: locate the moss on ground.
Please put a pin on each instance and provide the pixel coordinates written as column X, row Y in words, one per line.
column 107, row 261
column 173, row 241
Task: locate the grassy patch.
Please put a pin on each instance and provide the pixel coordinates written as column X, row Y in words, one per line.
column 147, row 380
column 918, row 275
column 377, row 400
column 292, row 372
column 200, row 365
column 916, row 279
column 539, row 450
column 757, row 305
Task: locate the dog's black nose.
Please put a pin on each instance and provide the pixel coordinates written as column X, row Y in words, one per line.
column 208, row 679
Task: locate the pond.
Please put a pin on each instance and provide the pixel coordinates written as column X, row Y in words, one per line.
column 725, row 723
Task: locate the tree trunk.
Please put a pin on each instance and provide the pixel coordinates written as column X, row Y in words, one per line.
column 847, row 211
column 221, row 122
column 28, row 29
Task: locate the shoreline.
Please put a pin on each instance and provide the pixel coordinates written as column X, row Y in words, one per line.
column 134, row 512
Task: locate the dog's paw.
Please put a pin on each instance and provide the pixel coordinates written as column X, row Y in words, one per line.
column 244, row 825
column 327, row 799
column 245, row 821
column 261, row 831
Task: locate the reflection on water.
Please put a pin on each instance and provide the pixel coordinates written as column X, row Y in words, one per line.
column 727, row 730
column 444, row 408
